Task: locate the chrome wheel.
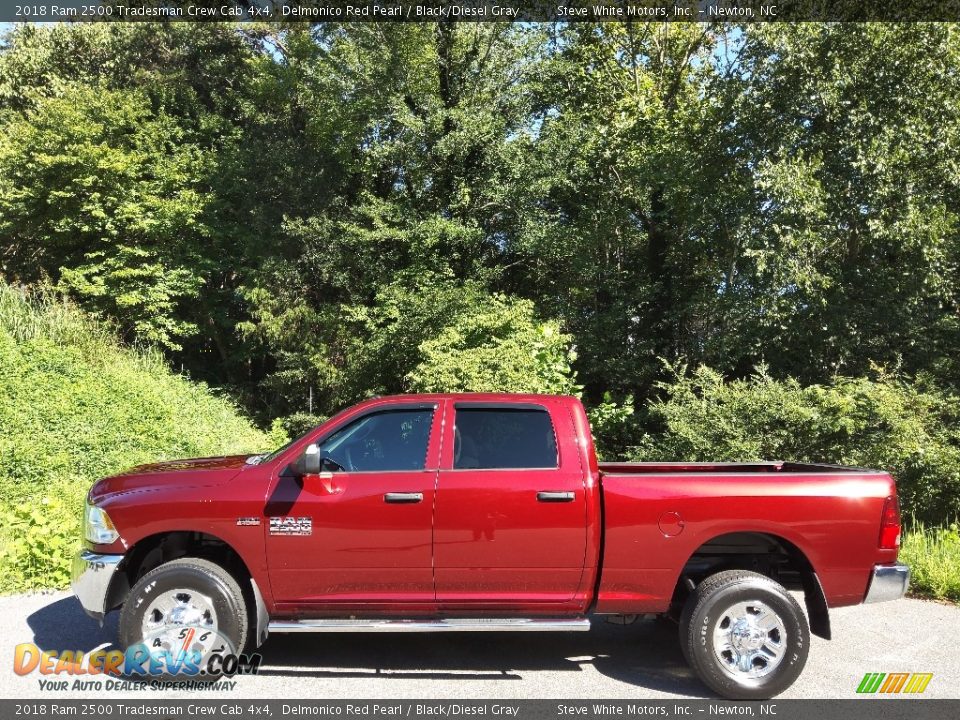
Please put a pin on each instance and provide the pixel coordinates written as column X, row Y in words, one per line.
column 181, row 620
column 749, row 640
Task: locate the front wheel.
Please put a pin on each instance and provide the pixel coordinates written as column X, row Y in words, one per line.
column 744, row 635
column 182, row 613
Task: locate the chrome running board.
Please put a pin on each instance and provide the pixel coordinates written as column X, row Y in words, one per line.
column 444, row 625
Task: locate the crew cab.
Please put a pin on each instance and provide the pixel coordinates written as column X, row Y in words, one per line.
column 473, row 512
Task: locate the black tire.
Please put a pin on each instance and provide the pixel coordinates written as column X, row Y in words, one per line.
column 202, row 576
column 705, row 614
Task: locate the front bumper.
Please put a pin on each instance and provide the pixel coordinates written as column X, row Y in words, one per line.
column 91, row 575
column 888, row 582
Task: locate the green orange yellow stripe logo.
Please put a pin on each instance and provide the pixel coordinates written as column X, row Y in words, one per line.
column 894, row 683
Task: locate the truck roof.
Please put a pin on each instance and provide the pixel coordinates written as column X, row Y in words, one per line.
column 476, row 396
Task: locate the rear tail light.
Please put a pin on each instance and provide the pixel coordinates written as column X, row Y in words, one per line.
column 890, row 524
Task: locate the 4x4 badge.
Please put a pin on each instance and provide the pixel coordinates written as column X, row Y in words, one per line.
column 248, row 521
column 291, row 526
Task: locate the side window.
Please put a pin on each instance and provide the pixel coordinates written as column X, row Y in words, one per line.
column 487, row 438
column 388, row 440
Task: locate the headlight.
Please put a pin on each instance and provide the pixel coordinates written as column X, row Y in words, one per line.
column 97, row 526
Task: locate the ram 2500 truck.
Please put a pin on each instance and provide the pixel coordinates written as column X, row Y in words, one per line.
column 488, row 512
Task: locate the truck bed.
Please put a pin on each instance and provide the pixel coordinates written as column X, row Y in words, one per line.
column 658, row 515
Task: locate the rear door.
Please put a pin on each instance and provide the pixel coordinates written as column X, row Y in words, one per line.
column 510, row 519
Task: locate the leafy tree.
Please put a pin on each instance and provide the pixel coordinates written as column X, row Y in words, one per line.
column 421, row 334
column 422, row 121
column 100, row 194
column 497, row 346
column 626, row 233
column 849, row 254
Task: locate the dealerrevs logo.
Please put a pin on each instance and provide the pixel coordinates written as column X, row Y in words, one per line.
column 891, row 683
column 195, row 653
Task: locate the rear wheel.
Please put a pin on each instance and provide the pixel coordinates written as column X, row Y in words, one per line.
column 187, row 608
column 744, row 635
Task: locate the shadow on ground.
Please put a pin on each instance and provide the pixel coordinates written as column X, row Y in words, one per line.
column 646, row 654
column 63, row 625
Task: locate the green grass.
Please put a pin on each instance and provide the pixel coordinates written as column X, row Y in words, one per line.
column 75, row 406
column 933, row 555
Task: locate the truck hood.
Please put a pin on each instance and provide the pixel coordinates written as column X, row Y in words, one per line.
column 196, row 472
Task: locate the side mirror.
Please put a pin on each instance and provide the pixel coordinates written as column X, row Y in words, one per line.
column 309, row 463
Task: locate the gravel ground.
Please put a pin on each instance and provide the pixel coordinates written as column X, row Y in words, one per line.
column 641, row 661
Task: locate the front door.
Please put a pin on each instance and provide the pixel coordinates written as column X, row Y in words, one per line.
column 510, row 525
column 359, row 535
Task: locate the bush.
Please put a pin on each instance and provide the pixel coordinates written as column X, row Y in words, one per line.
column 498, row 346
column 76, row 406
column 40, row 535
column 933, row 555
column 613, row 425
column 910, row 429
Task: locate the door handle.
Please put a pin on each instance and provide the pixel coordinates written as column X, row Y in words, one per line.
column 402, row 498
column 547, row 496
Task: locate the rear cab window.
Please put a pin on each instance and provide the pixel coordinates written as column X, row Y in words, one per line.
column 501, row 438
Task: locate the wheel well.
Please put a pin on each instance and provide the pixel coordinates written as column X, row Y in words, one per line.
column 763, row 553
column 155, row 550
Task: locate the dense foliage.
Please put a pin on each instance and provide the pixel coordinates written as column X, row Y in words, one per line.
column 910, row 429
column 303, row 215
column 933, row 555
column 74, row 407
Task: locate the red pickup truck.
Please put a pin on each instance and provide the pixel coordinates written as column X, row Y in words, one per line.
column 489, row 512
